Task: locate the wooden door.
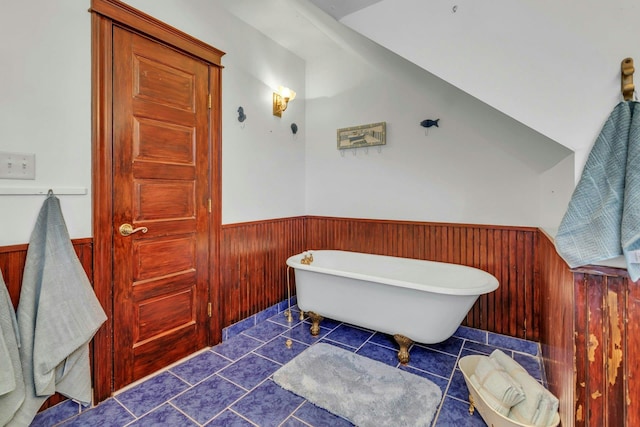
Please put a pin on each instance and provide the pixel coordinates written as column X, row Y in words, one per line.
column 161, row 188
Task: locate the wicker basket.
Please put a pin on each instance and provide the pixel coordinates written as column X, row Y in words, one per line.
column 491, row 417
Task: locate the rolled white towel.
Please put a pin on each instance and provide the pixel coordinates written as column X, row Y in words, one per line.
column 497, row 388
column 509, row 365
column 539, row 405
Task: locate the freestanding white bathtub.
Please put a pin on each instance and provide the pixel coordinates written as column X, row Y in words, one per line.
column 414, row 300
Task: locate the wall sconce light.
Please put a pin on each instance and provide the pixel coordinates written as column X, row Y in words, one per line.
column 281, row 99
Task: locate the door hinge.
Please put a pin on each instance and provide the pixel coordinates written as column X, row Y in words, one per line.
column 209, row 205
column 209, row 102
column 209, row 309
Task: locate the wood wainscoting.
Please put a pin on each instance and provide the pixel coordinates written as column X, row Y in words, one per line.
column 590, row 337
column 254, row 253
column 557, row 325
column 252, row 265
column 506, row 252
column 12, row 261
column 587, row 321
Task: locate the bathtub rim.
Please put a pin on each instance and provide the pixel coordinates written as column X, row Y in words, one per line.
column 490, row 285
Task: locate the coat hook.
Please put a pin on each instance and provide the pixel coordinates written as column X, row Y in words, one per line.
column 626, row 78
column 241, row 115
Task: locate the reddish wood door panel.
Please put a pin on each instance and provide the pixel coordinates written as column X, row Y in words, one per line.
column 161, row 162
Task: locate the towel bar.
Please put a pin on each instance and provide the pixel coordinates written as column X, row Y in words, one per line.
column 27, row 191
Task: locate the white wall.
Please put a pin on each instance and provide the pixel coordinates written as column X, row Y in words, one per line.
column 479, row 166
column 45, row 108
column 556, row 187
column 552, row 65
column 262, row 162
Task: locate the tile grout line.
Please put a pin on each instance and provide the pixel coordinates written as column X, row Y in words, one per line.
column 446, row 391
column 288, row 329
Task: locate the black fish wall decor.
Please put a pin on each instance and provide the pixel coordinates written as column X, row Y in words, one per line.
column 428, row 123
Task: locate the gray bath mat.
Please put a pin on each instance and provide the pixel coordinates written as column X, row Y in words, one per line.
column 364, row 391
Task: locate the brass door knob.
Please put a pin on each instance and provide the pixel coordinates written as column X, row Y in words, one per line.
column 127, row 229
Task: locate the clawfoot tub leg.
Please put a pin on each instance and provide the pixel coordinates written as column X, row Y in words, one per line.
column 315, row 322
column 404, row 343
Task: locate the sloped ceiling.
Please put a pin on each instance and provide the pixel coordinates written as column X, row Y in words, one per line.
column 553, row 66
column 341, row 8
column 281, row 21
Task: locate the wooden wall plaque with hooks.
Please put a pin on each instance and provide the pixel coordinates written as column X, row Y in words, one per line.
column 626, row 78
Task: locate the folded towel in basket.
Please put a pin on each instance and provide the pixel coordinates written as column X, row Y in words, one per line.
column 498, row 389
column 507, row 363
column 539, row 405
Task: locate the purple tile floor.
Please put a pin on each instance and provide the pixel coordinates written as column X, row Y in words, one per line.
column 231, row 384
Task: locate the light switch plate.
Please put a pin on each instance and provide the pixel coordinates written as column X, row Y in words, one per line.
column 17, row 166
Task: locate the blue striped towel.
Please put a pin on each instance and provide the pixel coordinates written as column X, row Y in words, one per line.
column 603, row 217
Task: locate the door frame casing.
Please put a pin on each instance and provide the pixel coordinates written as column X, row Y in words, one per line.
column 105, row 14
